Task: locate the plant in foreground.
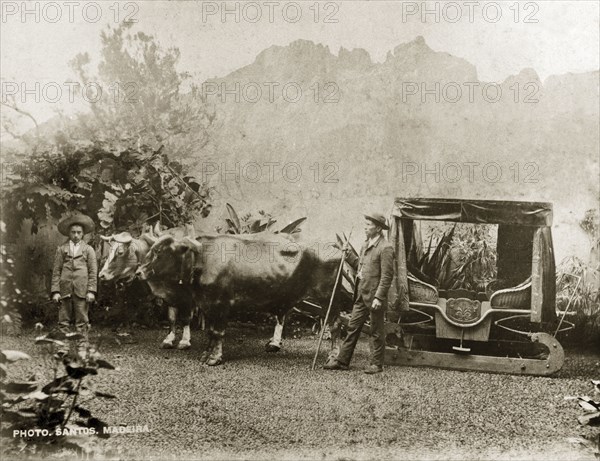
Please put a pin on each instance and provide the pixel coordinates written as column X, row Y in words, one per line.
column 41, row 418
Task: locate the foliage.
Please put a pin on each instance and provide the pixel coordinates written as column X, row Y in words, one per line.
column 577, row 288
column 11, row 296
column 473, row 249
column 142, row 99
column 119, row 189
column 250, row 224
column 591, row 226
column 463, row 256
column 591, row 415
column 247, row 224
column 54, row 409
column 578, row 283
column 154, row 187
column 435, row 265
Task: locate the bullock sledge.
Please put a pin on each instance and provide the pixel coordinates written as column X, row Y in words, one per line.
column 505, row 325
column 222, row 274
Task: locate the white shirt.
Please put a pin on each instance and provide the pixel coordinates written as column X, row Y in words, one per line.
column 373, row 240
column 74, row 247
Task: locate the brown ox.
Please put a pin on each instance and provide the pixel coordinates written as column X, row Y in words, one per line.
column 262, row 272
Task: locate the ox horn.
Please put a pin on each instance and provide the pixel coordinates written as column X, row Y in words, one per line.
column 157, row 230
column 107, row 238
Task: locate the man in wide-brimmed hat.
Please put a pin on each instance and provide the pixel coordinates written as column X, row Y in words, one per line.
column 373, row 280
column 74, row 277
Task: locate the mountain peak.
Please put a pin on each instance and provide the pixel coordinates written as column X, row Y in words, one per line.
column 303, row 50
column 419, row 60
column 356, row 58
column 416, row 46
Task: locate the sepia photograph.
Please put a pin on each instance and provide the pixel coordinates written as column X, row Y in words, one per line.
column 300, row 230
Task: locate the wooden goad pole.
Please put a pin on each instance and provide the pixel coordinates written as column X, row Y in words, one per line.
column 337, row 281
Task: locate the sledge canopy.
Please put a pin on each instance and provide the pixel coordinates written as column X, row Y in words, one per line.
column 536, row 214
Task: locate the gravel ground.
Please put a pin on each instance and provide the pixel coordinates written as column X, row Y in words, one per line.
column 271, row 406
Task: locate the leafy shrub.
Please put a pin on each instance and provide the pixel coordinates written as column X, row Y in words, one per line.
column 251, row 224
column 590, row 224
column 43, row 418
column 247, row 223
column 458, row 256
column 11, row 296
column 473, row 249
column 577, row 290
column 120, row 190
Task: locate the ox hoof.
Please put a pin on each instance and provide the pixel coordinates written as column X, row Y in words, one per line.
column 204, row 356
column 270, row 347
column 213, row 361
column 166, row 346
column 183, row 346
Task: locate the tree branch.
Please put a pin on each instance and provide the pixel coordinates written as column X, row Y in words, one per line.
column 25, row 113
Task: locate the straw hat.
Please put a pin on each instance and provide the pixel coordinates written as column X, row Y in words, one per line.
column 378, row 219
column 77, row 218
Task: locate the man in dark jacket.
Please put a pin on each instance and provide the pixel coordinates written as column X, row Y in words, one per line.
column 74, row 277
column 374, row 278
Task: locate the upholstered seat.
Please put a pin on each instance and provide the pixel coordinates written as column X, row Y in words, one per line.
column 421, row 292
column 518, row 297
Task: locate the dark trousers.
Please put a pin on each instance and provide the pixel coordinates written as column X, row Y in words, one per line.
column 74, row 310
column 360, row 313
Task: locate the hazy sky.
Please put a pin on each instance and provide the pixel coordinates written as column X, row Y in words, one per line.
column 499, row 38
